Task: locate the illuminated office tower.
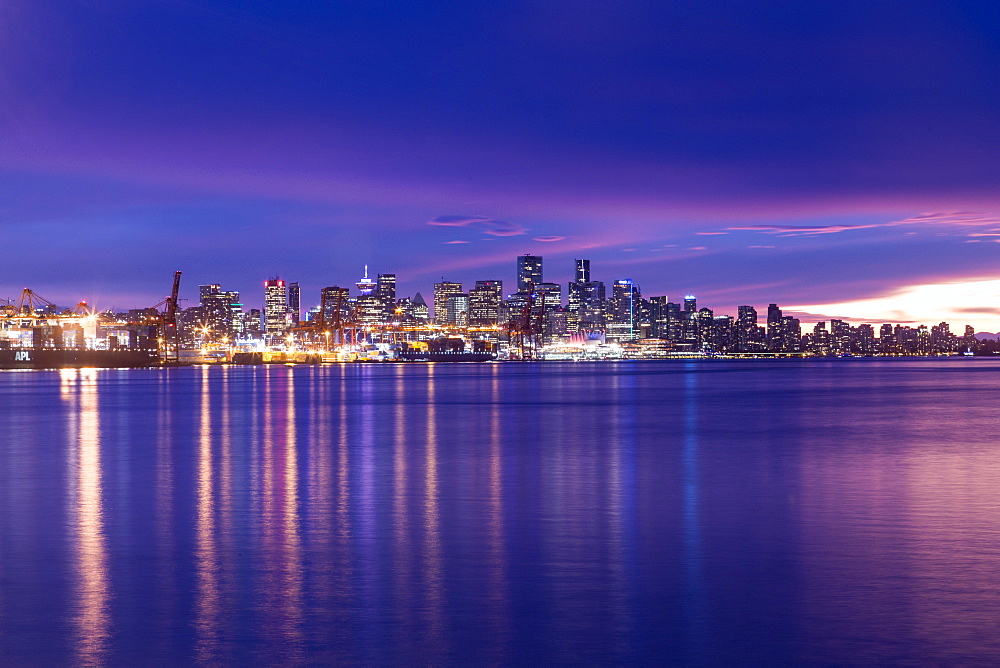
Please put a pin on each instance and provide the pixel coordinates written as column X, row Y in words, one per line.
column 529, row 271
column 484, row 303
column 621, row 317
column 458, row 309
column 275, row 309
column 551, row 293
column 442, row 291
column 582, row 271
column 659, row 317
column 385, row 290
column 220, row 312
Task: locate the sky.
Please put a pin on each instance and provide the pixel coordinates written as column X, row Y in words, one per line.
column 839, row 159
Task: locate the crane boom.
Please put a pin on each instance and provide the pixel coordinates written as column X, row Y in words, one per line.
column 171, row 344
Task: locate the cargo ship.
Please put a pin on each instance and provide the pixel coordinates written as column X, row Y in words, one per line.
column 56, row 358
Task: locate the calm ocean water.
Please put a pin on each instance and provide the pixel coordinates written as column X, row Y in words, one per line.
column 750, row 512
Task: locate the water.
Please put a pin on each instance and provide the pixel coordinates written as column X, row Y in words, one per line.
column 746, row 512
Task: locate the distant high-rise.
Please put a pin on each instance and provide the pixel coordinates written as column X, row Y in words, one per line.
column 294, row 303
column 220, row 312
column 442, row 291
column 529, row 271
column 334, row 303
column 747, row 337
column 775, row 331
column 621, row 323
column 582, row 271
column 275, row 308
column 386, row 292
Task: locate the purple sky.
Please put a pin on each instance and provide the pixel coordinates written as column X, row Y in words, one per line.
column 744, row 152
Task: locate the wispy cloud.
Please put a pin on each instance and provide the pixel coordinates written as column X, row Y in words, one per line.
column 497, row 228
column 796, row 230
column 547, row 239
column 456, row 241
column 948, row 218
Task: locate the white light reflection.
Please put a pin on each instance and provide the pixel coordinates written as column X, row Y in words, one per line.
column 91, row 620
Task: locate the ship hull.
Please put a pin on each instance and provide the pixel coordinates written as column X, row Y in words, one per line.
column 76, row 359
column 447, row 357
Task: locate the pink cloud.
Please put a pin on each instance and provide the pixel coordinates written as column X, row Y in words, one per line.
column 455, row 242
column 548, row 239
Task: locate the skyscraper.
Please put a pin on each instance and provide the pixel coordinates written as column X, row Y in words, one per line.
column 275, row 309
column 442, row 291
column 622, row 314
column 334, row 303
column 529, row 271
column 582, row 271
column 294, row 303
column 386, row 292
column 458, row 309
column 484, row 303
column 775, row 331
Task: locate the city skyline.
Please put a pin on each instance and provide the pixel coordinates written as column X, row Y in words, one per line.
column 746, row 154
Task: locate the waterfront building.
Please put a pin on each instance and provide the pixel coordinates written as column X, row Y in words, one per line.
column 886, row 343
column 747, row 333
column 219, row 313
column 775, row 334
column 864, row 340
column 442, row 291
column 529, row 271
column 659, row 325
column 275, row 310
column 792, row 331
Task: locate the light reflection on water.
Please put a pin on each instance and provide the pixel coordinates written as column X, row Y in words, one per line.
column 90, row 617
column 645, row 513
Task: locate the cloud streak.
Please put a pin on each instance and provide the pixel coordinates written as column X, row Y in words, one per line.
column 948, row 219
column 497, row 228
